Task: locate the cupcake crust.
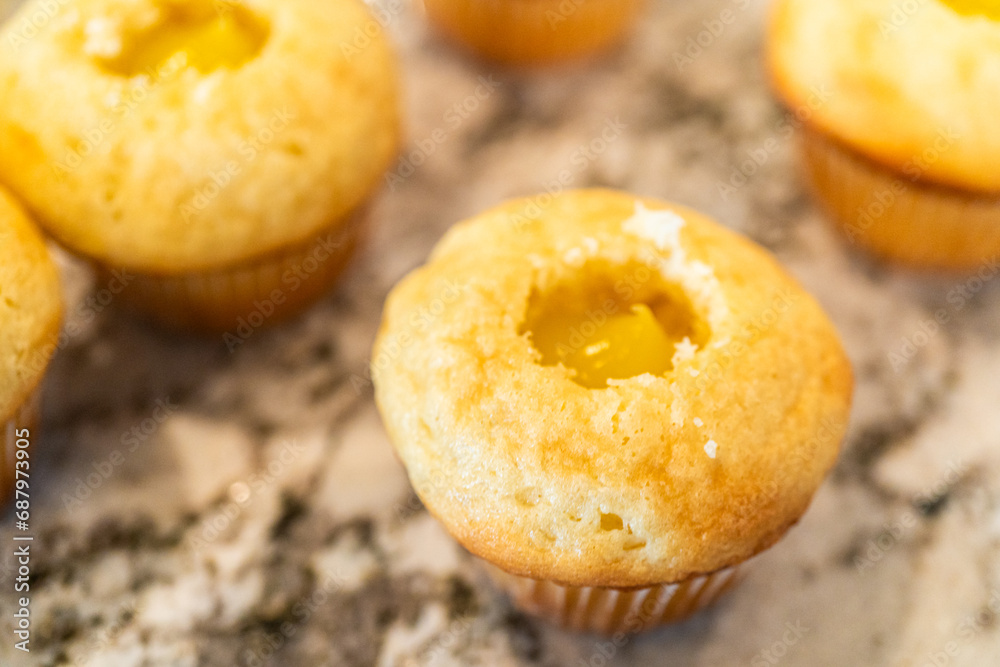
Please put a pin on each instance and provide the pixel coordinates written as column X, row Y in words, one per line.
column 173, row 170
column 30, row 307
column 650, row 480
column 913, row 90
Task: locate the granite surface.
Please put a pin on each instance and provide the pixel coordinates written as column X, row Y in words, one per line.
column 196, row 505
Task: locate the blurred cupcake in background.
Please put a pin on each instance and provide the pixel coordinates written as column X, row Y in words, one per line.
column 7, row 7
column 534, row 32
column 30, row 315
column 905, row 149
column 221, row 153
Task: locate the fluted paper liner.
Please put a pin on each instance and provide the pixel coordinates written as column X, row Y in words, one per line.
column 534, row 31
column 900, row 218
column 242, row 296
column 610, row 611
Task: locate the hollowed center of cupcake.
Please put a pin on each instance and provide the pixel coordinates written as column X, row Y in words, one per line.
column 607, row 346
column 988, row 8
column 206, row 42
column 599, row 335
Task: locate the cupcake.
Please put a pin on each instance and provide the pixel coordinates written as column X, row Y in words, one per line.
column 613, row 402
column 30, row 315
column 903, row 147
column 220, row 154
column 529, row 32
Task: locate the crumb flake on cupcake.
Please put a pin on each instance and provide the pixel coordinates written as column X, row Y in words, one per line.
column 527, row 32
column 30, row 316
column 210, row 147
column 623, row 402
column 905, row 149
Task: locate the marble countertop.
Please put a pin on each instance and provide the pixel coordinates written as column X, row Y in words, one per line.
column 197, row 506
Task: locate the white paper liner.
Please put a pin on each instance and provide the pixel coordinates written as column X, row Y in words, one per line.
column 609, row 611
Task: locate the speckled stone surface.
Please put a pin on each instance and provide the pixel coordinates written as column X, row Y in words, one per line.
column 194, row 505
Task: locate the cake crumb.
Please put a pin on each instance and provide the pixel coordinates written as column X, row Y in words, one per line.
column 662, row 227
column 574, row 257
column 711, row 448
column 102, row 38
column 698, row 422
column 203, row 91
column 683, row 351
column 646, row 380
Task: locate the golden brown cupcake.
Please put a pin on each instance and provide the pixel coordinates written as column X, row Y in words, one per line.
column 904, row 150
column 614, row 402
column 221, row 152
column 529, row 32
column 30, row 315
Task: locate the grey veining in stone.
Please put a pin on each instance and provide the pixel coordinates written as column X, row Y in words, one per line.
column 258, row 515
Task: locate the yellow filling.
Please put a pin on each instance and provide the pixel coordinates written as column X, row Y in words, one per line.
column 227, row 40
column 988, row 8
column 601, row 347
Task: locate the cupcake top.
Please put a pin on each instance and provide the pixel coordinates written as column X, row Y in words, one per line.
column 598, row 390
column 30, row 306
column 172, row 136
column 911, row 85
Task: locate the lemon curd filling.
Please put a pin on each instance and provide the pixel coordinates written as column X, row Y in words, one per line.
column 206, row 43
column 988, row 8
column 612, row 321
column 601, row 346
